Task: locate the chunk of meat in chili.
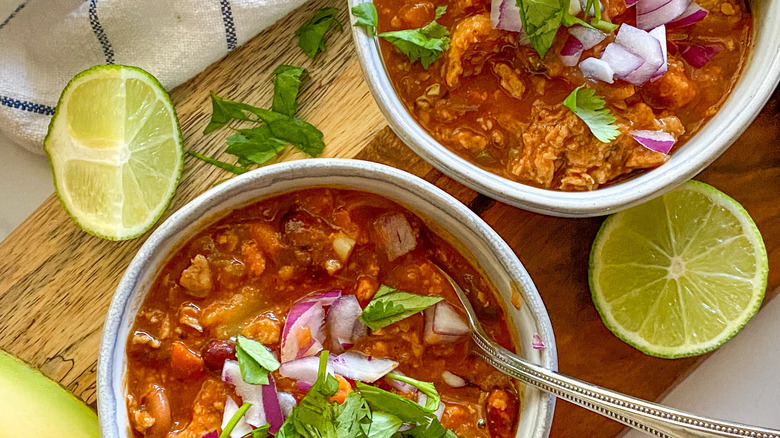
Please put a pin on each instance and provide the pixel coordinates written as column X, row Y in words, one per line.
column 197, row 277
column 466, row 35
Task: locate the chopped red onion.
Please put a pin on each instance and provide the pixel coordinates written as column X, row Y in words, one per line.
column 307, row 314
column 453, row 380
column 595, row 68
column 571, row 52
column 588, row 37
column 273, row 412
column 653, row 13
column 287, row 403
column 644, row 45
column 242, row 427
column 505, row 15
column 212, row 434
column 344, row 323
column 699, row 56
column 536, row 342
column 343, row 245
column 443, row 324
column 396, row 234
column 693, row 14
column 575, row 7
column 658, row 141
column 630, row 3
column 622, row 62
column 352, row 365
column 249, row 393
column 495, row 12
column 659, row 33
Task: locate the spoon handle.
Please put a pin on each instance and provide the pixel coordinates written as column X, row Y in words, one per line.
column 648, row 417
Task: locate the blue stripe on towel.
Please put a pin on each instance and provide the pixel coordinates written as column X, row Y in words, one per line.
column 27, row 106
column 13, row 14
column 230, row 27
column 100, row 33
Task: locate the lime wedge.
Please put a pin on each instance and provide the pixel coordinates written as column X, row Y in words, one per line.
column 679, row 275
column 114, row 146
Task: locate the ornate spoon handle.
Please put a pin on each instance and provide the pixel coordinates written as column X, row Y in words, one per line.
column 648, row 417
column 651, row 418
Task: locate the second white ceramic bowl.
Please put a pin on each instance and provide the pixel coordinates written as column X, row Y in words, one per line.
column 443, row 213
column 754, row 88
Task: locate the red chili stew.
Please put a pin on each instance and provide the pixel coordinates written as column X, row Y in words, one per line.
column 494, row 102
column 242, row 275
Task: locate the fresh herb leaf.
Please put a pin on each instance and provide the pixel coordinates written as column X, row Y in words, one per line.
column 311, row 34
column 366, row 16
column 428, row 426
column 287, row 84
column 541, row 20
column 591, row 109
column 292, row 130
column 432, row 398
column 382, row 425
column 391, row 305
column 260, row 432
column 254, row 146
column 234, row 420
column 350, row 414
column 425, row 44
column 224, row 111
column 238, row 170
column 255, row 361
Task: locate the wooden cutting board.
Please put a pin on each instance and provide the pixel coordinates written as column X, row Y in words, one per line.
column 56, row 281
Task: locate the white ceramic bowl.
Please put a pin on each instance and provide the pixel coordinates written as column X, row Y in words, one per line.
column 475, row 239
column 751, row 93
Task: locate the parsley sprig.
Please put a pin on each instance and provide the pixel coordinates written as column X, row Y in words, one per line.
column 425, row 44
column 592, row 110
column 311, row 35
column 274, row 130
column 390, row 305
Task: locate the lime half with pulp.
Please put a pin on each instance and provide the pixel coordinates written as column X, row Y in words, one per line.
column 115, row 149
column 679, row 275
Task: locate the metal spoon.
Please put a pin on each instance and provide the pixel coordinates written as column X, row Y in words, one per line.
column 648, row 417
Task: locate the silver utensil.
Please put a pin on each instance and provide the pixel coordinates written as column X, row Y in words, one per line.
column 648, row 417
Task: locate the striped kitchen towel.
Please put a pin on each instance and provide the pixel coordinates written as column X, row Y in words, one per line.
column 44, row 43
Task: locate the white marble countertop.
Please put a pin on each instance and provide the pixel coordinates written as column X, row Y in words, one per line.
column 740, row 382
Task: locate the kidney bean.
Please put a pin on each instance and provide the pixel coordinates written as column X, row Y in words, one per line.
column 216, row 352
column 158, row 406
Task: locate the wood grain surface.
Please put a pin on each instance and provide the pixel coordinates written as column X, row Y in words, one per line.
column 56, row 281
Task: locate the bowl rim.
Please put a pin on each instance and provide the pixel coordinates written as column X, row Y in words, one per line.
column 717, row 135
column 225, row 197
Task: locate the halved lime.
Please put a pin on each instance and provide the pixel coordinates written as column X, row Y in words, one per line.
column 679, row 275
column 114, row 146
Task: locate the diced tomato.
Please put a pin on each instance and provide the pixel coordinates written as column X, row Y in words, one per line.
column 185, row 363
column 344, row 389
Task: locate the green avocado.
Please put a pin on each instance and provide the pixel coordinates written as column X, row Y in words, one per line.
column 33, row 405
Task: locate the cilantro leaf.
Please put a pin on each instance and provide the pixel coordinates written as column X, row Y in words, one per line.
column 382, row 425
column 425, row 44
column 231, row 424
column 428, row 426
column 366, row 16
column 349, row 415
column 238, row 170
column 224, row 111
column 255, row 361
column 295, row 131
column 254, row 146
column 287, row 84
column 541, row 20
column 591, row 109
column 391, row 305
column 432, row 396
column 311, row 34
column 260, row 432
